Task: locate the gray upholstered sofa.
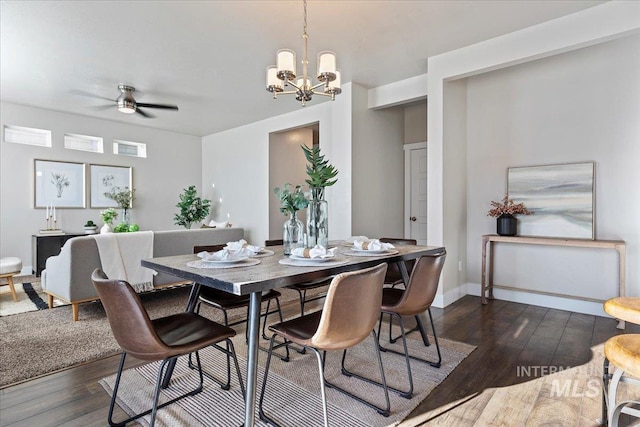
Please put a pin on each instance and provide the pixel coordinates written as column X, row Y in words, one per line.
column 68, row 275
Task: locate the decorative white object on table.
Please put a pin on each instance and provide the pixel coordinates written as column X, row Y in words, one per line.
column 373, row 245
column 223, row 255
column 244, row 247
column 317, row 252
column 215, row 224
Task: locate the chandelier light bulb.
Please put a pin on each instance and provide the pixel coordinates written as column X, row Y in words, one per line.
column 286, row 64
column 274, row 84
column 326, row 66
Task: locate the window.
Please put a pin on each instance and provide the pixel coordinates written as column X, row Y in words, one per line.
column 29, row 136
column 128, row 148
column 93, row 144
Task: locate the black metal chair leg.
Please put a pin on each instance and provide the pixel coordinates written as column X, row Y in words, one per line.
column 435, row 364
column 263, row 416
column 382, row 411
column 154, row 409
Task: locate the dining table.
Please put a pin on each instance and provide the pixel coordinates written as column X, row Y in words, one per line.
column 273, row 271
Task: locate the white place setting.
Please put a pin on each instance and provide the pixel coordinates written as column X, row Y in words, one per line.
column 252, row 251
column 223, row 258
column 363, row 246
column 316, row 256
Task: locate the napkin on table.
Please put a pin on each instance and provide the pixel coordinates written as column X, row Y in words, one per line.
column 241, row 246
column 317, row 252
column 372, row 245
column 222, row 255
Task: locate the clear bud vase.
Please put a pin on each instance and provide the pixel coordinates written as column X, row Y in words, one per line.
column 125, row 216
column 318, row 223
column 293, row 234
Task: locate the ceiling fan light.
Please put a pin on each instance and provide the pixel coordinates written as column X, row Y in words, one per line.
column 126, row 106
column 326, row 66
column 286, row 64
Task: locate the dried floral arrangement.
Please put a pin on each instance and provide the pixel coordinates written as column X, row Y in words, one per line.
column 507, row 207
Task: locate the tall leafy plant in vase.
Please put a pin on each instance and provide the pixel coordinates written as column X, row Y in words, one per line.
column 290, row 203
column 321, row 174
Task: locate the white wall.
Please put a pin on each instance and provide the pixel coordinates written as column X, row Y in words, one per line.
column 378, row 169
column 287, row 164
column 600, row 24
column 415, row 123
column 579, row 106
column 237, row 162
column 173, row 163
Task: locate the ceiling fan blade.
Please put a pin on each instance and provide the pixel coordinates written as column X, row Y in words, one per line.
column 163, row 106
column 90, row 95
column 143, row 114
column 102, row 107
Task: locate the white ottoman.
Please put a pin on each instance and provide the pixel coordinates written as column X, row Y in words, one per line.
column 9, row 267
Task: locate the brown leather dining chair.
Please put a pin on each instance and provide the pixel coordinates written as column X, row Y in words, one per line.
column 161, row 339
column 414, row 300
column 225, row 301
column 349, row 315
column 394, row 277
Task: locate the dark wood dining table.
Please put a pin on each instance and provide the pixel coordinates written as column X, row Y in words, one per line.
column 270, row 274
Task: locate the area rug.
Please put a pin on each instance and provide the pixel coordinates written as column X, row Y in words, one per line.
column 293, row 391
column 30, row 297
column 45, row 341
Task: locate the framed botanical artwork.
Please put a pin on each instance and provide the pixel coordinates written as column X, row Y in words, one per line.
column 59, row 184
column 104, row 179
column 561, row 198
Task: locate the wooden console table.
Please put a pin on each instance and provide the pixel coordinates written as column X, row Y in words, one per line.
column 487, row 282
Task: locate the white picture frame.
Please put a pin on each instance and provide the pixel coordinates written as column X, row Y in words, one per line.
column 105, row 178
column 58, row 184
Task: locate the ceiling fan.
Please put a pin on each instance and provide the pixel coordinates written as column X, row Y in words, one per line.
column 127, row 104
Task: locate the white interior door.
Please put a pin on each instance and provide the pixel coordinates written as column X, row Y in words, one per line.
column 416, row 192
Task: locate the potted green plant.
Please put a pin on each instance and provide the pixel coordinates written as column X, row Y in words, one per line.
column 192, row 208
column 291, row 202
column 108, row 216
column 504, row 211
column 90, row 227
column 321, row 174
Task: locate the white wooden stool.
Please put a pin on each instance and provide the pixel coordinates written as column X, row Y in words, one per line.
column 9, row 267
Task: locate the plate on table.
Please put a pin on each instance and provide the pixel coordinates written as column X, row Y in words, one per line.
column 301, row 258
column 225, row 261
column 262, row 252
column 379, row 251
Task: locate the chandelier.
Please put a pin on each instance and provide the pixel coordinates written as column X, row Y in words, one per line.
column 284, row 73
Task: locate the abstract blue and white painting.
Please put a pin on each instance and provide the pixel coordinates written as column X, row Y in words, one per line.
column 560, row 197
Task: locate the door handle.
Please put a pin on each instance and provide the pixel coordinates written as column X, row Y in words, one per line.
column 413, row 218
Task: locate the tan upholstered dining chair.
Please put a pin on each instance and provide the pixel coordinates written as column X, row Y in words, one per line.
column 349, row 315
column 161, row 339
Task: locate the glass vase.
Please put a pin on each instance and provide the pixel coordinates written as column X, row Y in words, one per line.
column 318, row 223
column 293, row 234
column 125, row 216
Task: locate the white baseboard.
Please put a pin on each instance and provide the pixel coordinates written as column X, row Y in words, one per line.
column 443, row 300
column 558, row 303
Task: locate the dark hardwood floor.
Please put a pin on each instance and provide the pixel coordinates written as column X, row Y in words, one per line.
column 507, row 335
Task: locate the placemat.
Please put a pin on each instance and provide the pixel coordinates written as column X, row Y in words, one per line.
column 244, row 263
column 351, row 252
column 298, row 263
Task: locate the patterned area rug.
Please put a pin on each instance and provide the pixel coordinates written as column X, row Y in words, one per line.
column 30, row 297
column 293, row 393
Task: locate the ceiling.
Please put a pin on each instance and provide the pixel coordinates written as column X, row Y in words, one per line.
column 209, row 57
